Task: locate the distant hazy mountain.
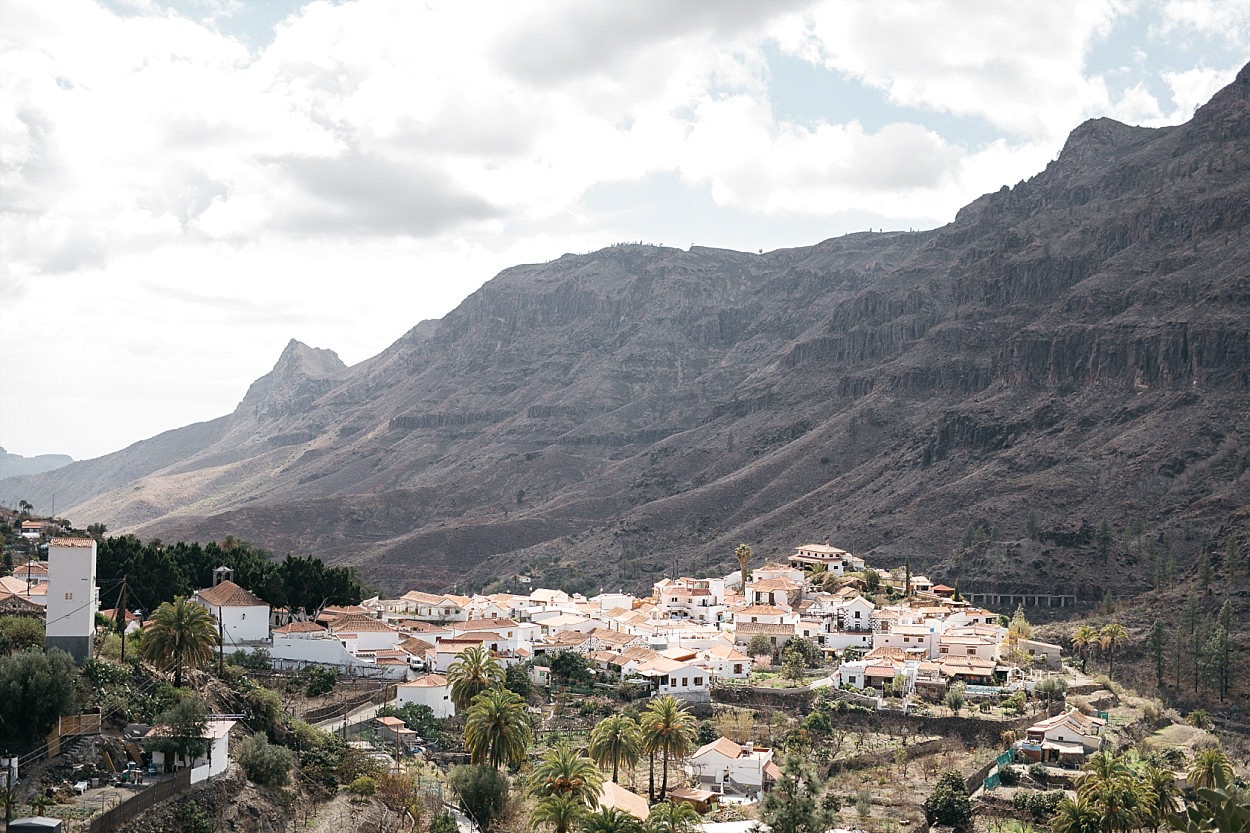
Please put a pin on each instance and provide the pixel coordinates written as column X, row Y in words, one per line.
column 13, row 465
column 1069, row 353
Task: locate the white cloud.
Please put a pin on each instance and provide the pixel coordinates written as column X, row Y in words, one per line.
column 372, row 162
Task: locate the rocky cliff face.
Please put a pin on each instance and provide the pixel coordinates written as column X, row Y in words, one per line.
column 1070, row 351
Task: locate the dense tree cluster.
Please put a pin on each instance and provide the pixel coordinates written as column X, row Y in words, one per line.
column 156, row 573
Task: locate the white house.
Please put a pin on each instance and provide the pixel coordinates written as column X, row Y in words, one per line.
column 682, row 679
column 837, row 561
column 243, row 617
column 360, row 632
column 431, row 690
column 727, row 767
column 212, row 762
column 724, row 661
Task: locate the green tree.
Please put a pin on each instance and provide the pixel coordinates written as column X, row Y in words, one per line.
column 1079, row 815
column 1232, row 555
column 496, row 729
column 948, row 804
column 564, row 771
column 571, row 668
column 1209, row 768
column 561, row 813
column 417, row 717
column 516, row 678
column 1084, row 638
column 35, row 689
column 483, row 792
column 181, row 634
column 265, row 763
column 616, row 741
column 792, row 666
column 668, row 730
column 667, row 817
column 1156, row 643
column 610, row 820
column 759, row 645
column 1051, row 690
column 20, row 633
column 180, row 730
column 1111, row 637
column 812, row 656
column 444, row 822
column 471, row 673
column 956, row 697
column 743, row 554
column 794, row 804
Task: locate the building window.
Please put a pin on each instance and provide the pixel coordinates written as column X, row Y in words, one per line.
column 69, row 597
column 972, row 652
column 698, row 681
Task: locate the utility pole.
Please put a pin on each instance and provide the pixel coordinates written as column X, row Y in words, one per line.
column 221, row 644
column 121, row 618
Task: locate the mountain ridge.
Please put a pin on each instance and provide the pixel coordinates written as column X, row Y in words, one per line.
column 1076, row 347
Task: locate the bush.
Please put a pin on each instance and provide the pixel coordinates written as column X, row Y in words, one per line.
column 948, row 804
column 264, row 763
column 192, row 818
column 364, row 785
column 320, row 681
column 1008, row 777
column 258, row 660
column 35, row 689
column 1199, row 719
column 1039, row 773
column 1038, row 805
column 483, row 792
column 444, row 823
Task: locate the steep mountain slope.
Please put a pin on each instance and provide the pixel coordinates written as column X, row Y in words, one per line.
column 15, row 465
column 1071, row 351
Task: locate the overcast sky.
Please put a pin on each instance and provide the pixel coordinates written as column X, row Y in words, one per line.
column 188, row 185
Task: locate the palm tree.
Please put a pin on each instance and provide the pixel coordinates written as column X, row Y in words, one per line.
column 1102, row 771
column 1083, row 638
column 667, row 817
column 496, row 730
column 180, row 634
column 564, row 771
column 1109, row 638
column 743, row 554
column 562, row 812
column 616, row 740
column 472, row 672
column 668, row 729
column 1159, row 794
column 611, row 820
column 1209, row 769
column 1121, row 806
column 1079, row 816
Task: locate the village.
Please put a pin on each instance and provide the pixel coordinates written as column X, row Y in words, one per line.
column 804, row 652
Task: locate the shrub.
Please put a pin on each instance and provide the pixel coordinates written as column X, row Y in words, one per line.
column 444, row 823
column 1039, row 773
column 192, row 818
column 1198, row 718
column 483, row 792
column 1038, row 805
column 948, row 804
column 1008, row 777
column 320, row 681
column 258, row 660
column 35, row 689
column 264, row 763
column 364, row 785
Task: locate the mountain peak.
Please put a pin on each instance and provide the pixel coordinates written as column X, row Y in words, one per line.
column 301, row 374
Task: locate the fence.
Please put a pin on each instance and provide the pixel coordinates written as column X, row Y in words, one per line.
column 141, row 801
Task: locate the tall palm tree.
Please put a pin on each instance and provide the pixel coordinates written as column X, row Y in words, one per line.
column 562, row 812
column 471, row 673
column 564, row 771
column 1103, row 770
column 1110, row 638
column 1159, row 794
column 1210, row 768
column 667, row 817
column 496, row 729
column 616, row 740
column 668, row 729
column 1084, row 638
column 611, row 820
column 1079, row 816
column 181, row 634
column 743, row 554
column 1121, row 806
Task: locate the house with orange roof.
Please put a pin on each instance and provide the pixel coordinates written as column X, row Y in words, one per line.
column 723, row 766
column 430, row 690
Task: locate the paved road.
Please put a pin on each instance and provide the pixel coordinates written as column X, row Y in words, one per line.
column 360, row 715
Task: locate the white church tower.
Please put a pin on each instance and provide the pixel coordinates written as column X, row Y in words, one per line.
column 73, row 597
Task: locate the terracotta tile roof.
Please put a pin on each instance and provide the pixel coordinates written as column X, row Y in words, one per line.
column 485, row 624
column 428, row 681
column 229, row 594
column 359, row 623
column 760, row 610
column 72, row 542
column 761, row 627
column 416, row 647
column 300, row 627
column 723, row 745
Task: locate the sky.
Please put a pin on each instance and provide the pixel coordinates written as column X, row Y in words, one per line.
column 187, row 185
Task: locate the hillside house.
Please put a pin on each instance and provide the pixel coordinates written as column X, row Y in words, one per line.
column 212, row 762
column 243, row 617
column 723, row 766
column 1063, row 739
